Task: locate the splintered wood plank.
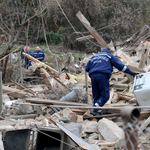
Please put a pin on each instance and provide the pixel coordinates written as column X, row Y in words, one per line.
column 46, row 80
column 86, row 23
column 143, row 57
column 76, row 139
column 124, row 56
column 111, row 95
column 37, row 61
column 23, row 87
column 14, row 92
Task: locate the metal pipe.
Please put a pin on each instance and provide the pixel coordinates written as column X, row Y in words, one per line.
column 130, row 116
column 130, row 113
column 70, row 96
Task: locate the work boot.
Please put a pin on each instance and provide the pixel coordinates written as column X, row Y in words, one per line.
column 95, row 112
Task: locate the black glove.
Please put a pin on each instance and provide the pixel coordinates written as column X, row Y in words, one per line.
column 134, row 74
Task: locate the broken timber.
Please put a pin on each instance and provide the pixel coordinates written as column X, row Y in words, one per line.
column 76, row 139
column 37, row 61
column 23, row 87
column 46, row 78
column 86, row 23
column 14, row 92
column 143, row 57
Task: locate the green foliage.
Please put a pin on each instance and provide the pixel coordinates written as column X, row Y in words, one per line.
column 54, row 37
column 112, row 19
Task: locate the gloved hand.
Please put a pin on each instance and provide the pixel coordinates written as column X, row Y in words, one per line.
column 134, row 74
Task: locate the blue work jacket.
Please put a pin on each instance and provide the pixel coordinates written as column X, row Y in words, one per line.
column 39, row 54
column 103, row 63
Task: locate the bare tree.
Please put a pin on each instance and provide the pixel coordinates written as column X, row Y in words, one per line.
column 14, row 19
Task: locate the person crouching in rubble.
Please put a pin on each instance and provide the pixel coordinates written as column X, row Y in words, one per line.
column 100, row 68
column 27, row 60
column 38, row 54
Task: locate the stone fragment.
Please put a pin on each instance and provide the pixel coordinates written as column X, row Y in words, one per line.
column 79, row 119
column 66, row 112
column 110, row 131
column 90, row 126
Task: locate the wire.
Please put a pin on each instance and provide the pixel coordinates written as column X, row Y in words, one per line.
column 58, row 139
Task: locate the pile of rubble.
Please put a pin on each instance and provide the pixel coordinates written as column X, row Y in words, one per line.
column 55, row 115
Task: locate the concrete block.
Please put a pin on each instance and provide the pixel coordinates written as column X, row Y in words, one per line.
column 110, row 131
column 90, row 126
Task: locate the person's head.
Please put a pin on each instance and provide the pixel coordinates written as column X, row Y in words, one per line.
column 28, row 49
column 106, row 49
column 37, row 48
column 25, row 47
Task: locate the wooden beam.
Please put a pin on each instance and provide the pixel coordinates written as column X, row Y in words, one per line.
column 76, row 139
column 143, row 57
column 119, row 86
column 29, row 116
column 86, row 23
column 102, row 116
column 46, row 78
column 23, row 87
column 37, row 61
column 57, row 102
column 14, row 92
column 124, row 56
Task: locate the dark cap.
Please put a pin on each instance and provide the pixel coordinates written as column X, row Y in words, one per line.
column 106, row 49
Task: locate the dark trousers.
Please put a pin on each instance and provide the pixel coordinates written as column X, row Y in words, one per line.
column 27, row 63
column 100, row 88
